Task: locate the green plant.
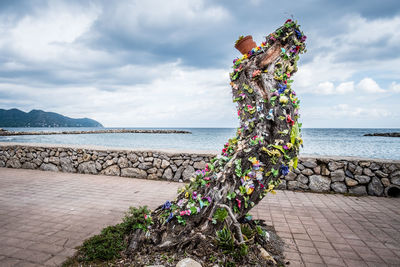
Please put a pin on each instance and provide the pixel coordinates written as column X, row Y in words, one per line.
column 225, row 239
column 238, row 40
column 247, row 232
column 220, row 214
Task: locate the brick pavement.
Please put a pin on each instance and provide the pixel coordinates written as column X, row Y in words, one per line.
column 44, row 215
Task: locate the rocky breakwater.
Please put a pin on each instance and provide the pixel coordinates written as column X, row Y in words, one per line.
column 345, row 175
column 128, row 163
column 147, row 131
column 384, row 134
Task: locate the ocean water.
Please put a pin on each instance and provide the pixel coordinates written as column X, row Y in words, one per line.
column 317, row 141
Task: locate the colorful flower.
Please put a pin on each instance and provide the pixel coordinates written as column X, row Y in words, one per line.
column 284, row 170
column 283, row 99
column 166, row 206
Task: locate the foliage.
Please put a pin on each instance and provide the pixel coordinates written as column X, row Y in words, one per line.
column 225, row 239
column 220, row 214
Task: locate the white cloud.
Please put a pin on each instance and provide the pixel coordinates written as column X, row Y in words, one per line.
column 344, row 88
column 394, row 87
column 370, row 86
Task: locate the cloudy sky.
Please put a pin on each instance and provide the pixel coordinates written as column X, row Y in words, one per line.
column 166, row 63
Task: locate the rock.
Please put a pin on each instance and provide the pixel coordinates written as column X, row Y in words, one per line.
column 297, row 171
column 152, row 176
column 98, row 166
column 337, row 176
column 385, row 182
column 164, row 164
column 325, row 171
column 349, row 174
column 199, row 165
column 49, row 167
column 145, row 165
column 187, row 173
column 334, row 165
column 368, row 172
column 67, row 165
column 381, row 174
column 350, row 182
column 13, row 163
column 108, row 163
column 351, row 167
column 302, row 179
column 362, row 179
column 178, row 173
column 168, row 174
column 317, row 170
column 395, row 180
column 310, row 163
column 395, row 174
column 88, row 167
column 358, row 170
column 364, row 163
column 300, row 167
column 134, row 173
column 29, row 165
column 359, row 190
column 152, row 171
column 339, row 187
column 374, row 166
column 188, row 262
column 111, row 170
column 292, row 185
column 123, row 162
column 132, row 157
column 290, row 176
column 282, row 185
column 54, row 160
column 178, row 162
column 307, row 172
column 157, row 163
column 375, row 187
column 319, row 183
column 86, row 157
column 266, row 256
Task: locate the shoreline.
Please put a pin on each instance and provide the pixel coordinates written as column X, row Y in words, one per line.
column 16, row 133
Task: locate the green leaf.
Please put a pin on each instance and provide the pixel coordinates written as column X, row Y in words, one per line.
column 294, row 133
column 193, row 210
column 295, row 161
column 231, row 195
column 274, row 172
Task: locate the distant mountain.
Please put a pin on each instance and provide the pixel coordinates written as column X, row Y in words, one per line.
column 39, row 118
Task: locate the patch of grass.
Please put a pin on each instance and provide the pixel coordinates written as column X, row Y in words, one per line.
column 112, row 240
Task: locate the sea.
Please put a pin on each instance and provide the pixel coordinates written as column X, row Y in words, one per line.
column 317, row 141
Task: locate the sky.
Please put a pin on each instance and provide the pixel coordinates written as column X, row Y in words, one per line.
column 164, row 63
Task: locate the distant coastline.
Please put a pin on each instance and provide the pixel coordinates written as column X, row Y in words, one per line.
column 384, row 134
column 13, row 133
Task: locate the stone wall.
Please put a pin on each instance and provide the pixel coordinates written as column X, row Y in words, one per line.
column 318, row 174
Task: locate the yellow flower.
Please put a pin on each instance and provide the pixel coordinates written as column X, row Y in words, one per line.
column 289, row 145
column 250, row 190
column 283, row 99
column 187, row 195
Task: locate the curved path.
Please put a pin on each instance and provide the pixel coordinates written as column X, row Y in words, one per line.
column 44, row 215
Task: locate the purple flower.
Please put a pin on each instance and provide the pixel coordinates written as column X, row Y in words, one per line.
column 166, row 206
column 207, row 198
column 194, row 195
column 303, row 39
column 284, row 170
column 298, row 34
column 282, row 88
column 170, row 217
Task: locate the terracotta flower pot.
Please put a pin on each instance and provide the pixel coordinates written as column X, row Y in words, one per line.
column 246, row 44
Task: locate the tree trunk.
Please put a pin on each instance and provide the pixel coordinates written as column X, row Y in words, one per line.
column 264, row 149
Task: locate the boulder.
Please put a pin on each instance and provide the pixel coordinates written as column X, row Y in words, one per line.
column 145, row 165
column 385, row 182
column 339, row 187
column 178, row 173
column 337, row 176
column 49, row 167
column 111, row 170
column 132, row 157
column 13, row 163
column 319, row 183
column 351, row 167
column 134, row 173
column 67, row 165
column 157, row 163
column 88, row 167
column 188, row 262
column 362, row 179
column 168, row 174
column 395, row 178
column 300, row 167
column 187, row 173
column 307, row 172
column 199, row 165
column 381, row 174
column 152, row 171
column 325, row 171
column 302, row 179
column 350, row 182
column 317, row 170
column 349, row 174
column 310, row 163
column 282, row 185
column 290, row 176
column 374, row 166
column 123, row 162
column 178, row 162
column 368, row 172
column 29, row 165
column 358, row 170
column 292, row 185
column 359, row 190
column 164, row 164
column 375, row 187
column 334, row 165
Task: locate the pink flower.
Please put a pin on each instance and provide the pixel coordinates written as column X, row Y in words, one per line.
column 239, row 203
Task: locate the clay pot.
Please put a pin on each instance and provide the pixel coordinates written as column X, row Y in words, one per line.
column 246, row 44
